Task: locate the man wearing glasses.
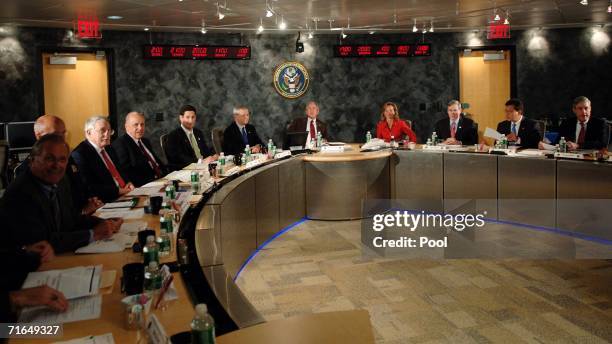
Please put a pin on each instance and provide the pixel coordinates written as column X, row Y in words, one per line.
column 98, row 163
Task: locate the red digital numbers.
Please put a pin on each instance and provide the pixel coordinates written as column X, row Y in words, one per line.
column 199, row 52
column 243, row 52
column 177, row 51
column 156, row 51
column 363, row 50
column 421, row 50
column 403, row 50
column 196, row 52
column 221, row 52
column 345, row 50
column 382, row 50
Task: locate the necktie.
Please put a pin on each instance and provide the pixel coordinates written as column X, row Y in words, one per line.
column 56, row 208
column 112, row 169
column 152, row 161
column 245, row 138
column 453, row 129
column 514, row 128
column 581, row 134
column 313, row 132
column 194, row 146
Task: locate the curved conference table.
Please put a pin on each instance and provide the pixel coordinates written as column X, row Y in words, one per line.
column 243, row 212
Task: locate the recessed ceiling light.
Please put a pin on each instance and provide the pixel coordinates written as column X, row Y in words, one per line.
column 146, row 29
column 114, row 17
column 584, row 2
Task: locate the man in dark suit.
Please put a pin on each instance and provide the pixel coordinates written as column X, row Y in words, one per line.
column 185, row 144
column 456, row 129
column 98, row 163
column 584, row 131
column 310, row 123
column 519, row 129
column 49, row 124
column 240, row 133
column 135, row 155
column 38, row 205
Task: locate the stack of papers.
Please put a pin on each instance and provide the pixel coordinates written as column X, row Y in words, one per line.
column 118, row 205
column 79, row 285
column 182, row 175
column 106, row 338
column 493, row 134
column 130, row 214
column 147, row 191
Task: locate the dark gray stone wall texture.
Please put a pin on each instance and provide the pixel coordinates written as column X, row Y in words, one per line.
column 349, row 91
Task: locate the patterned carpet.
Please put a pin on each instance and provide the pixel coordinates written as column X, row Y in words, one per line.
column 320, row 266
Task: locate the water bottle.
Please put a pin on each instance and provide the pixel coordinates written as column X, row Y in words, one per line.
column 150, row 251
column 428, row 143
column 393, row 143
column 319, row 139
column 152, row 277
column 170, row 192
column 368, row 136
column 562, row 145
column 202, row 326
column 164, row 244
column 195, row 182
column 221, row 164
column 247, row 154
column 434, row 138
column 270, row 145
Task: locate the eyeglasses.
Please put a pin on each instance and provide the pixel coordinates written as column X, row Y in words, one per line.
column 103, row 131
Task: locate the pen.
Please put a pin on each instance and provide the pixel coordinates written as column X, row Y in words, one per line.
column 164, row 289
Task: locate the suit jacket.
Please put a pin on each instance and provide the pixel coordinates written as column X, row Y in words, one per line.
column 133, row 162
column 300, row 124
column 28, row 215
column 466, row 130
column 595, row 137
column 21, row 263
column 94, row 172
column 232, row 139
column 178, row 148
column 80, row 191
column 528, row 132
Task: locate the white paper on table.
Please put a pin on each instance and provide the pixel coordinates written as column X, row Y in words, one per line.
column 194, row 166
column 147, row 191
column 493, row 134
column 117, row 205
column 532, row 152
column 182, row 175
column 83, row 308
column 73, row 283
column 171, row 293
column 336, row 143
column 106, row 338
column 132, row 227
column 159, row 183
column 548, row 147
column 117, row 243
column 132, row 214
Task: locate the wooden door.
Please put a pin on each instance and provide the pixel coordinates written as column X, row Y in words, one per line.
column 485, row 86
column 76, row 92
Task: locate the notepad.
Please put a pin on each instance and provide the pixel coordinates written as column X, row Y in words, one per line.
column 73, row 283
column 84, row 308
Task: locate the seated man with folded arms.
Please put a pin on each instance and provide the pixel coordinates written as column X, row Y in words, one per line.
column 584, row 131
column 38, row 205
column 185, row 144
column 519, row 129
column 456, row 129
column 98, row 163
column 23, row 261
column 311, row 123
column 135, row 155
column 240, row 133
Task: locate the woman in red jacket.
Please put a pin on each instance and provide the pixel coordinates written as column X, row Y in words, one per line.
column 391, row 125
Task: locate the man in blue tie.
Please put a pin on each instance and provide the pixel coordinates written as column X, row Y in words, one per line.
column 240, row 133
column 519, row 130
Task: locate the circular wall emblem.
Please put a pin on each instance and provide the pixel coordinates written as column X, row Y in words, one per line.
column 291, row 79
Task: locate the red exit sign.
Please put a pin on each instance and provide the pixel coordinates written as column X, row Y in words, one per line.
column 498, row 29
column 88, row 27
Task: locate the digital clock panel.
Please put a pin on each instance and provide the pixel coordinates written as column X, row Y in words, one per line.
column 382, row 50
column 196, row 52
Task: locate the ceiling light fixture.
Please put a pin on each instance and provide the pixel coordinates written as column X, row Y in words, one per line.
column 610, row 7
column 260, row 29
column 219, row 14
column 146, row 29
column 414, row 27
column 203, row 30
column 584, row 2
column 431, row 28
column 372, row 32
column 114, row 17
column 343, row 34
column 424, row 29
column 497, row 17
column 269, row 12
column 282, row 24
column 310, row 35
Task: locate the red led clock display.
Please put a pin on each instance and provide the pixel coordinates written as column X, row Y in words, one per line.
column 196, row 52
column 382, row 50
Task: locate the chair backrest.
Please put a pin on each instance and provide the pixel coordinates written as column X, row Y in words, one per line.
column 3, row 162
column 217, row 139
column 541, row 126
column 163, row 140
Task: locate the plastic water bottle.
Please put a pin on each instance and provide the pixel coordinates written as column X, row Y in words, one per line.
column 247, row 154
column 164, row 244
column 202, row 326
column 368, row 136
column 170, row 192
column 152, row 277
column 562, row 145
column 270, row 145
column 393, row 142
column 150, row 251
column 434, row 138
column 221, row 164
column 319, row 139
column 195, row 182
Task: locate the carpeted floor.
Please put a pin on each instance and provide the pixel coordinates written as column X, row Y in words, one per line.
column 320, row 266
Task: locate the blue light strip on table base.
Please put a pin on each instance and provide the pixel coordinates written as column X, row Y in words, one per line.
column 262, row 246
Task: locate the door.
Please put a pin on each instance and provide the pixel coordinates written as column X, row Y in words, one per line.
column 75, row 92
column 485, row 86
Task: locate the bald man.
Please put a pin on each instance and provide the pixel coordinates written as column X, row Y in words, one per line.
column 135, row 155
column 50, row 124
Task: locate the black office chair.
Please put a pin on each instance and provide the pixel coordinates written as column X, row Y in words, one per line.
column 217, row 139
column 163, row 141
column 541, row 126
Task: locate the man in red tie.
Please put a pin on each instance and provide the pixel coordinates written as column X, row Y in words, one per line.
column 311, row 123
column 98, row 163
column 135, row 155
column 584, row 131
column 456, row 129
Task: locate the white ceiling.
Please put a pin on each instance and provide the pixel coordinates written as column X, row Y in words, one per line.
column 245, row 15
